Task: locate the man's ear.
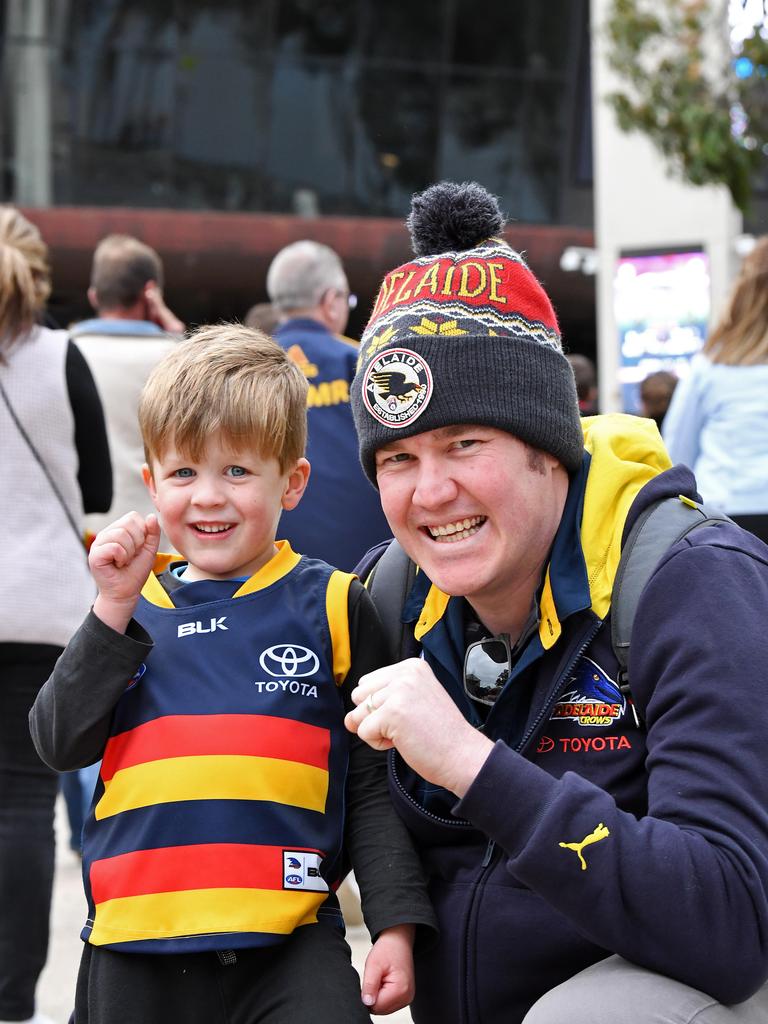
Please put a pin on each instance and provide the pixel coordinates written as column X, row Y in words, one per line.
column 327, row 308
column 146, row 299
column 92, row 299
column 149, row 482
column 296, row 484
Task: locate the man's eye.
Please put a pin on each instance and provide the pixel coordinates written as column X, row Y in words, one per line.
column 466, row 442
column 237, row 471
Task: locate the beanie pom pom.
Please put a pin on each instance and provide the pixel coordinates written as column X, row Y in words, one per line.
column 449, row 217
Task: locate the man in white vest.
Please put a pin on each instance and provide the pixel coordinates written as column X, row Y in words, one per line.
column 132, row 330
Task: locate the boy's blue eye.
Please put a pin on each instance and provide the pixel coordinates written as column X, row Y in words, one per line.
column 237, row 471
column 184, row 472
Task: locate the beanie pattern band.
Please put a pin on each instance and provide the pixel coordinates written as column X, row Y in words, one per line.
column 459, row 293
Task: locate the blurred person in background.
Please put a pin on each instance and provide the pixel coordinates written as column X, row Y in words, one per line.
column 55, row 466
column 718, row 418
column 656, row 392
column 262, row 316
column 132, row 330
column 586, row 383
column 341, row 517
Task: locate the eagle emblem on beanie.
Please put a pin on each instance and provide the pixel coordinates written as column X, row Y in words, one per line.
column 397, row 387
column 463, row 333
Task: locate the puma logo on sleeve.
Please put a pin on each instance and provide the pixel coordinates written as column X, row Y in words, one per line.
column 601, row 832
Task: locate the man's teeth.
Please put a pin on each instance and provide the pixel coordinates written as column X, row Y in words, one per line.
column 456, row 531
column 206, row 528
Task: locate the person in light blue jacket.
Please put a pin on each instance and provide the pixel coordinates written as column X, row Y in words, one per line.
column 718, row 419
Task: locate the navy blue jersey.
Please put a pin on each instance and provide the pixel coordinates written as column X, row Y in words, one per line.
column 219, row 812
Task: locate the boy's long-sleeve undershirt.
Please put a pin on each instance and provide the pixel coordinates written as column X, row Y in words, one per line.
column 70, row 723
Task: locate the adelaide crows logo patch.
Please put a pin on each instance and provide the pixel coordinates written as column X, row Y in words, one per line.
column 592, row 697
column 397, row 387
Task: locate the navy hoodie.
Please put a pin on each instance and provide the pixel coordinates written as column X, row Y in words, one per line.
column 583, row 834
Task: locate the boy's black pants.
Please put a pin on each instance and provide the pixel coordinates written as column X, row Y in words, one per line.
column 309, row 979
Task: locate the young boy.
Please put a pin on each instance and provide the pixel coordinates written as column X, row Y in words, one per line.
column 214, row 687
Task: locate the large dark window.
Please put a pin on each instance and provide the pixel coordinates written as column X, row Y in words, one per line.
column 310, row 106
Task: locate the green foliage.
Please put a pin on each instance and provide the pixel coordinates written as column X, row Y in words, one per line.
column 710, row 124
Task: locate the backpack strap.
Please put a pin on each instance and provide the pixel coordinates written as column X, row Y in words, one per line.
column 657, row 528
column 389, row 584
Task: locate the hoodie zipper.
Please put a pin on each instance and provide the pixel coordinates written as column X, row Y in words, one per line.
column 453, row 822
column 491, row 852
column 546, row 709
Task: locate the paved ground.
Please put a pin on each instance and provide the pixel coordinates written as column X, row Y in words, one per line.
column 57, row 984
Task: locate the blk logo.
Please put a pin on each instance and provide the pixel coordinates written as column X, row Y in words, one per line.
column 191, row 628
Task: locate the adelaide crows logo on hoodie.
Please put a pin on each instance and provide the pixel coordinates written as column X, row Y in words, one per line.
column 592, row 697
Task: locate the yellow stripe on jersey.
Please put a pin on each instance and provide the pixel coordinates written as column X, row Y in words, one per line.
column 277, row 567
column 201, row 911
column 337, row 611
column 154, row 592
column 214, row 777
column 163, row 560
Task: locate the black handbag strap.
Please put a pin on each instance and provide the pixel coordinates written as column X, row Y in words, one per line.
column 39, row 460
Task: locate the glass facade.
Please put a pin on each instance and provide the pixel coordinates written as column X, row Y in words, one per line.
column 295, row 106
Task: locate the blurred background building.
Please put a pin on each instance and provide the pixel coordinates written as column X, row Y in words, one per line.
column 218, row 131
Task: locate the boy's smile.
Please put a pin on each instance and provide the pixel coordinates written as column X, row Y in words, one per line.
column 220, row 511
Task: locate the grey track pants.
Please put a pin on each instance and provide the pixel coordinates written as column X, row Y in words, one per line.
column 615, row 991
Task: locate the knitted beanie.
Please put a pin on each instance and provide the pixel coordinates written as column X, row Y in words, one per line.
column 463, row 333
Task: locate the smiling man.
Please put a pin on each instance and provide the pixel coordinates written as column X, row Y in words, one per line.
column 588, row 864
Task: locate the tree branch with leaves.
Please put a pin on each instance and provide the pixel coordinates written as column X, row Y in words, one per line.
column 705, row 108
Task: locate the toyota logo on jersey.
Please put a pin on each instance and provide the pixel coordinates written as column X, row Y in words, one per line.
column 290, row 660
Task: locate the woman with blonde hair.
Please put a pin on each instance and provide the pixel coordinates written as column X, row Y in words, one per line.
column 55, row 465
column 717, row 422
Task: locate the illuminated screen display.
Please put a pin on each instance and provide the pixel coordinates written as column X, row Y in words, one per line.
column 662, row 306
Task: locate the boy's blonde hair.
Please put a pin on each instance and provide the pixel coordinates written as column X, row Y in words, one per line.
column 231, row 380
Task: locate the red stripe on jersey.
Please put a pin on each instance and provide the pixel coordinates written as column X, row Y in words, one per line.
column 192, row 735
column 180, row 868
